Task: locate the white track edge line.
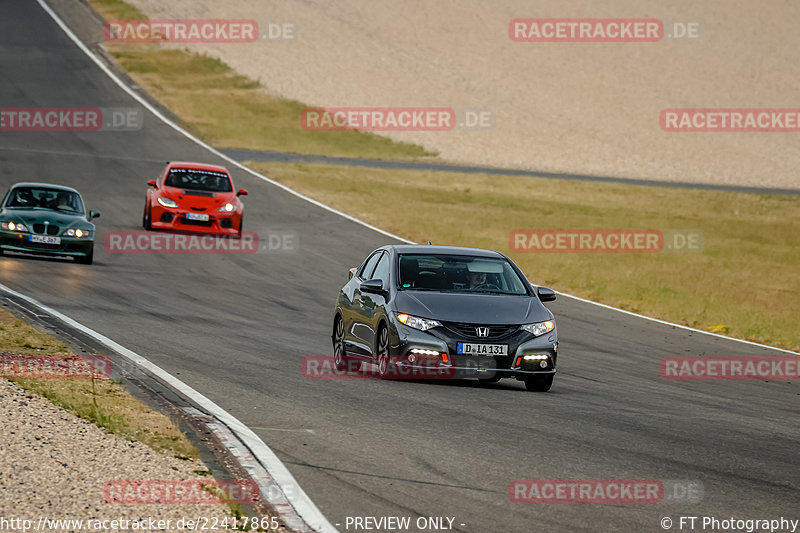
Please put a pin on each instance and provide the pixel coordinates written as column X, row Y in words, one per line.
column 688, row 328
column 301, row 502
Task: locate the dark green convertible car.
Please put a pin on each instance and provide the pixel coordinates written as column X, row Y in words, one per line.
column 41, row 218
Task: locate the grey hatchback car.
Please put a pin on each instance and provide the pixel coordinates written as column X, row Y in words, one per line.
column 465, row 312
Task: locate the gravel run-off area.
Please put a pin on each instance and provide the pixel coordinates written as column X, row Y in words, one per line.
column 55, row 465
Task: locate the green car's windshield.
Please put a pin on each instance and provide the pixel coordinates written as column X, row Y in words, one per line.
column 459, row 273
column 45, row 198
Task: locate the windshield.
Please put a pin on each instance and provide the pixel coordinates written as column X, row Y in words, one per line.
column 44, row 198
column 198, row 180
column 459, row 273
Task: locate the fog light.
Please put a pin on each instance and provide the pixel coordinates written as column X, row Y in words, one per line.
column 420, row 351
column 412, row 358
column 537, row 357
column 543, row 364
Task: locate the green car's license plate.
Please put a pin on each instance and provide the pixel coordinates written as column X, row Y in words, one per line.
column 46, row 239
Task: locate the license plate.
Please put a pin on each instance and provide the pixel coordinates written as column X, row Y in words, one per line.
column 197, row 216
column 46, row 239
column 467, row 348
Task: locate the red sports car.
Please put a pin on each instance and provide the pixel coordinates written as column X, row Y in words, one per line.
column 194, row 197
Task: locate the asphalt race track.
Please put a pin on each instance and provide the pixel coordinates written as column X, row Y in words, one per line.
column 235, row 327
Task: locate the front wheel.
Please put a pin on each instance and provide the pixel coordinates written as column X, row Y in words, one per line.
column 340, row 359
column 382, row 353
column 147, row 218
column 539, row 383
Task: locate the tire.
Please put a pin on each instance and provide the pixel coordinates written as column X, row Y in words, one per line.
column 382, row 353
column 147, row 221
column 241, row 225
column 86, row 259
column 540, row 383
column 340, row 359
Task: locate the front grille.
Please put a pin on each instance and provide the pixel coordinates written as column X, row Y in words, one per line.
column 40, row 228
column 496, row 331
column 167, row 217
column 204, row 223
column 198, row 208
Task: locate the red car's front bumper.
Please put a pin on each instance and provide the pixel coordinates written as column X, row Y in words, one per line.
column 166, row 218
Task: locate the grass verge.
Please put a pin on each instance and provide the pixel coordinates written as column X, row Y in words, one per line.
column 743, row 284
column 229, row 110
column 101, row 401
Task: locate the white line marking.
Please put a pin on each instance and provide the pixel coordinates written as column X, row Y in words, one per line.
column 279, row 473
column 631, row 313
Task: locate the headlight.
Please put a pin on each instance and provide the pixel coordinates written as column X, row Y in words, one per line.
column 228, row 208
column 14, row 226
column 540, row 328
column 77, row 233
column 422, row 324
column 166, row 202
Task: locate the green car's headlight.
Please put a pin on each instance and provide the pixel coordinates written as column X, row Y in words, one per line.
column 79, row 233
column 14, row 226
column 422, row 324
column 540, row 328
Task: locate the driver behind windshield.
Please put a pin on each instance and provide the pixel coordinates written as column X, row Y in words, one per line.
column 476, row 279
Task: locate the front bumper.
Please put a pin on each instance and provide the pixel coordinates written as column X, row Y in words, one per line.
column 20, row 242
column 165, row 218
column 542, row 349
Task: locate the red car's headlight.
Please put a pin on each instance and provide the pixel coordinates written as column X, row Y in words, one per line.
column 167, row 202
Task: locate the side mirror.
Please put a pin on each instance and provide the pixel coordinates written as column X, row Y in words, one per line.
column 242, row 192
column 93, row 214
column 545, row 294
column 374, row 286
column 351, row 273
column 152, row 183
